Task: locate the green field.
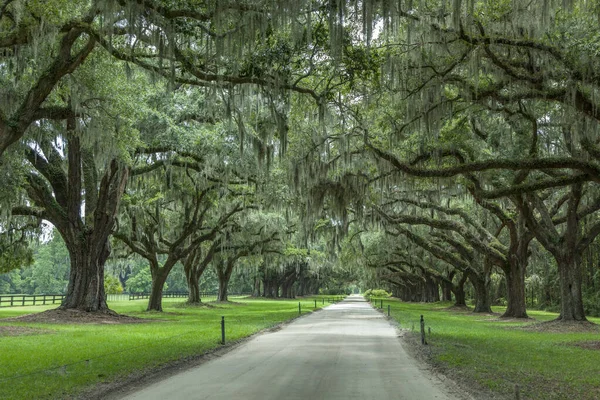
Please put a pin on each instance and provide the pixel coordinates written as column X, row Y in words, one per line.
column 493, row 355
column 60, row 360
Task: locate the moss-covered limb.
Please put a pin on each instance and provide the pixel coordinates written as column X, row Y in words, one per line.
column 52, row 170
column 265, row 81
column 588, row 237
column 538, row 185
column 416, row 263
column 435, row 250
column 590, row 170
column 486, row 248
column 462, row 214
column 465, row 251
column 12, row 130
column 517, row 70
column 591, row 148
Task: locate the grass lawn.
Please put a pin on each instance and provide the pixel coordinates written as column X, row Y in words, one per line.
column 498, row 355
column 50, row 361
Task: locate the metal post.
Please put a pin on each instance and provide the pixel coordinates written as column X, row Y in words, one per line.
column 423, row 341
column 381, row 305
column 388, row 310
column 315, row 303
column 222, row 330
column 299, row 309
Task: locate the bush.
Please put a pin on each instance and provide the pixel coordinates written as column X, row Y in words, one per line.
column 112, row 285
column 377, row 293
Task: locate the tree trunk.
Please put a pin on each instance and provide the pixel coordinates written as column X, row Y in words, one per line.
column 193, row 288
column 86, row 278
column 446, row 291
column 223, row 283
column 158, row 283
column 569, row 271
column 432, row 289
column 482, row 294
column 459, row 292
column 515, row 285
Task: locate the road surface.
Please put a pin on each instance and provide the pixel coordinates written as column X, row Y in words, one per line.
column 347, row 351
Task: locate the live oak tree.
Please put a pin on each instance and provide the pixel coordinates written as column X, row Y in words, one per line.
column 76, row 172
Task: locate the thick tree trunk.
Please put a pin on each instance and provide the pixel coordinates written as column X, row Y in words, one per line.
column 515, row 285
column 86, row 279
column 459, row 292
column 569, row 271
column 158, row 283
column 514, row 270
column 446, row 291
column 482, row 294
column 223, row 283
column 193, row 289
column 432, row 289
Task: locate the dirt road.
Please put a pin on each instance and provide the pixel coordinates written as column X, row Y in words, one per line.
column 347, row 351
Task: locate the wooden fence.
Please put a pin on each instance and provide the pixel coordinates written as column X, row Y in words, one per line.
column 30, row 299
column 43, row 299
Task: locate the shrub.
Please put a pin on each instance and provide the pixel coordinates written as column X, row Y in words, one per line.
column 112, row 285
column 377, row 293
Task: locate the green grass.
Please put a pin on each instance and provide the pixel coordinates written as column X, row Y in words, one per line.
column 53, row 364
column 498, row 355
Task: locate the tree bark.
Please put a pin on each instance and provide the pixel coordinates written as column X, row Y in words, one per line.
column 86, row 278
column 193, row 289
column 158, row 283
column 446, row 291
column 569, row 271
column 515, row 285
column 481, row 284
column 514, row 270
column 223, row 283
column 459, row 292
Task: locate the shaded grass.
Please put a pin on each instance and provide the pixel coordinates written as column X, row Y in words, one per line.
column 496, row 355
column 68, row 358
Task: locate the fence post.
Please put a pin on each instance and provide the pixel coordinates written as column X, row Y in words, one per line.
column 222, row 330
column 299, row 309
column 423, row 341
column 315, row 303
column 381, row 304
column 388, row 310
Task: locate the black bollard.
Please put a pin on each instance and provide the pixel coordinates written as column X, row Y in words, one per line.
column 222, row 330
column 299, row 309
column 388, row 310
column 423, row 341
